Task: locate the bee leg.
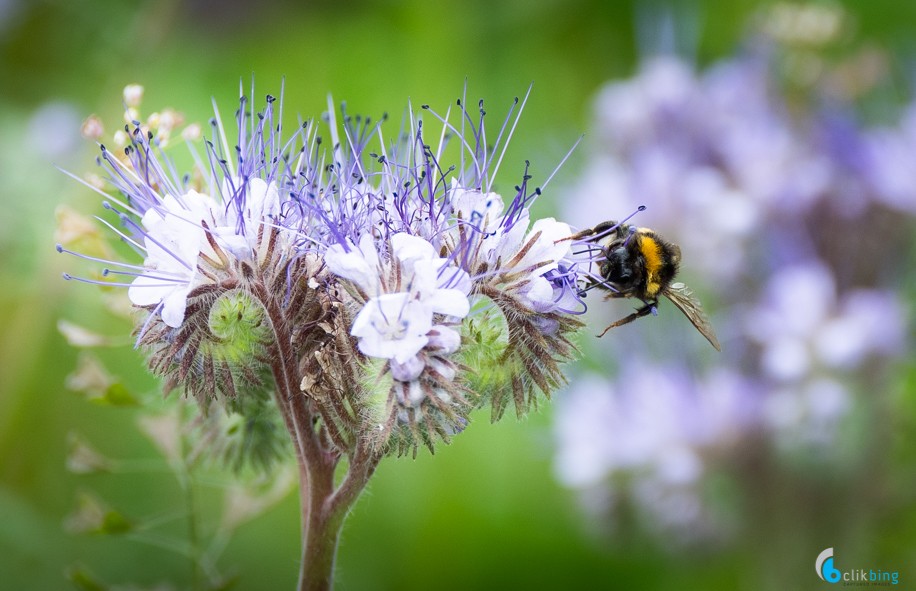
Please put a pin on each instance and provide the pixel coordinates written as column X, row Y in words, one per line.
column 639, row 313
column 577, row 235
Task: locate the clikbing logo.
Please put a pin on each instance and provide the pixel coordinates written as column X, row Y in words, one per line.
column 859, row 577
column 825, row 569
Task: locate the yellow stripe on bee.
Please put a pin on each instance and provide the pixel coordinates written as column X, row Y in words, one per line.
column 652, row 252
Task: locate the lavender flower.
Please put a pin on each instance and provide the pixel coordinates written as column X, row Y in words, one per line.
column 392, row 255
column 651, row 431
column 379, row 295
column 786, row 206
column 397, row 325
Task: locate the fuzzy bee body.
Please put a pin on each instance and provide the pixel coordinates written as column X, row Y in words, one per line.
column 638, row 263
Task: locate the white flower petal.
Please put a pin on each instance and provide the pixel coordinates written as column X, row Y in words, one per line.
column 483, row 210
column 507, row 242
column 231, row 242
column 450, row 302
column 407, row 371
column 392, row 326
column 263, row 201
column 359, row 265
column 146, row 291
column 539, row 294
column 408, row 248
column 444, row 339
column 174, row 306
column 545, row 249
column 421, row 277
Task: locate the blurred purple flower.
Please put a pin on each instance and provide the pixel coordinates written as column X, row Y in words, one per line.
column 785, row 213
column 650, row 429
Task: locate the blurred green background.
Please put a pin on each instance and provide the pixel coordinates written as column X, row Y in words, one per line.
column 485, row 512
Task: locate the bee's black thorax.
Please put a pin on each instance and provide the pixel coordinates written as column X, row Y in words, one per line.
column 639, row 263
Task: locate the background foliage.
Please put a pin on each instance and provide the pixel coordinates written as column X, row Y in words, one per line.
column 486, row 512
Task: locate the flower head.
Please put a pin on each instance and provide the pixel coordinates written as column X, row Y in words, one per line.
column 355, row 269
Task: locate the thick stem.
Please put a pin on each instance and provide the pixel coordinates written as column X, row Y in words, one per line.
column 322, row 509
column 320, row 529
column 327, row 511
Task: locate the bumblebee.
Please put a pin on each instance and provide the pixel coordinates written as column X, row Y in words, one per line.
column 638, row 263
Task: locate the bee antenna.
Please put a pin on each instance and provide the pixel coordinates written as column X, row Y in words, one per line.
column 639, row 209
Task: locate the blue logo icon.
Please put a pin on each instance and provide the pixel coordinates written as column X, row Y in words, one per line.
column 858, row 577
column 824, row 566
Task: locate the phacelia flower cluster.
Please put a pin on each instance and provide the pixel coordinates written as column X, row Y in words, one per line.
column 386, row 293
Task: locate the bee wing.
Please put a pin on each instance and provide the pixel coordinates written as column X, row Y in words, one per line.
column 682, row 297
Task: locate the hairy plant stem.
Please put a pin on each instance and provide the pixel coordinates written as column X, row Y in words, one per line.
column 323, row 506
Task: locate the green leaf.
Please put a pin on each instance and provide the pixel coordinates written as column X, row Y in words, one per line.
column 83, row 580
column 91, row 516
column 117, row 394
column 115, row 523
